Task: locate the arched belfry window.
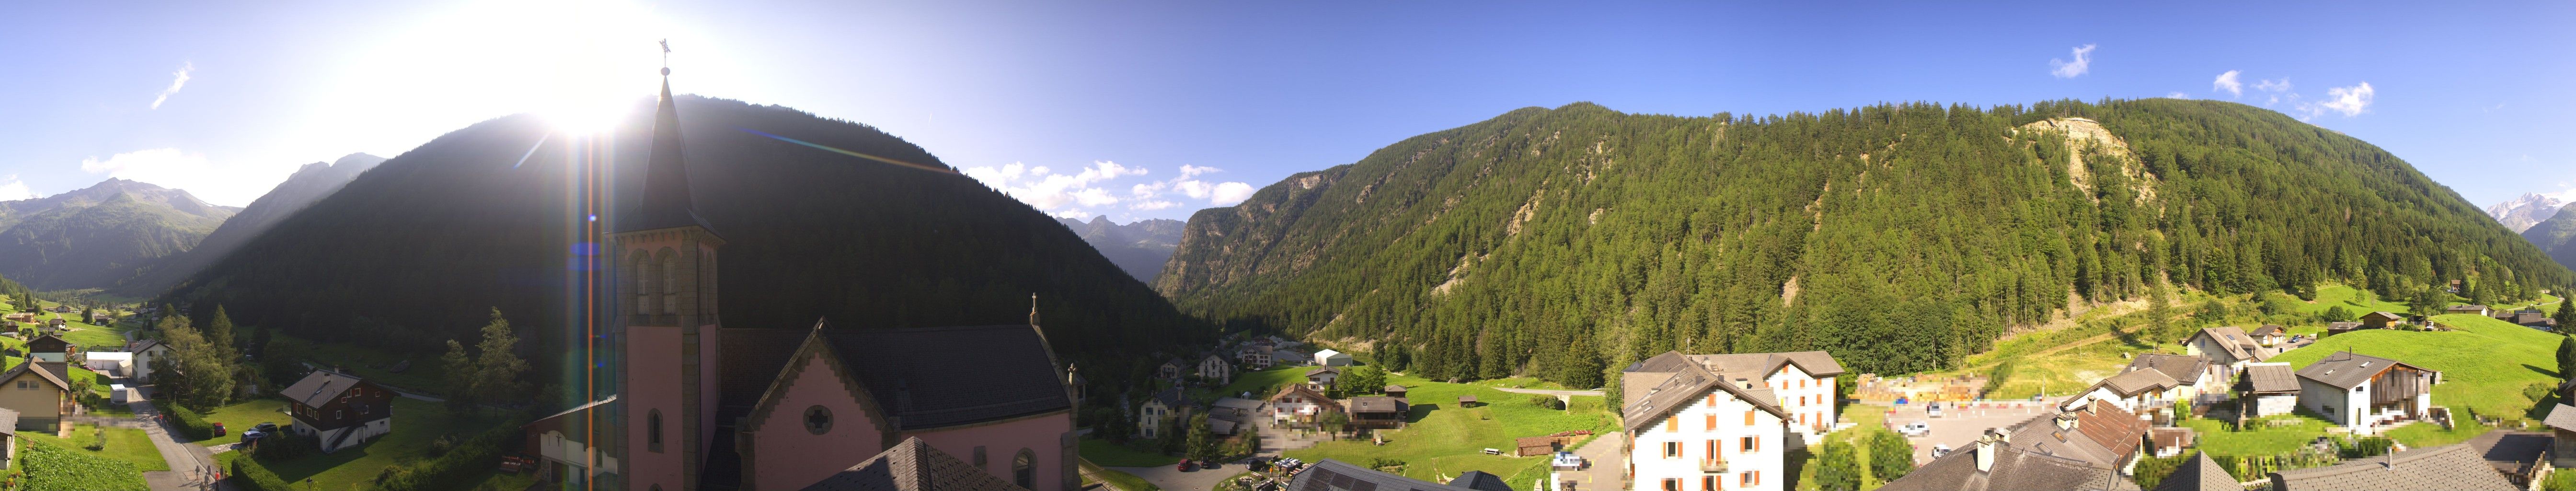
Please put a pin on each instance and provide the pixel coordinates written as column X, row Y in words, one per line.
column 670, row 282
column 1024, row 469
column 653, row 430
column 637, row 270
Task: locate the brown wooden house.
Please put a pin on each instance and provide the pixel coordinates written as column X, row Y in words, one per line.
column 342, row 409
column 1377, row 412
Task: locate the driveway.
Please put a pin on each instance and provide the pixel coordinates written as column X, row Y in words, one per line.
column 192, row 467
column 1961, row 423
column 1605, row 464
column 1171, row 479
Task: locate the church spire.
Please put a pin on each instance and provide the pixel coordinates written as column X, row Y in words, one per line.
column 666, row 202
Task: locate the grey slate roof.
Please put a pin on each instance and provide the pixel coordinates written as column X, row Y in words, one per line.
column 1690, row 380
column 2132, row 383
column 1376, row 404
column 2346, row 369
column 2233, row 339
column 941, row 376
column 1816, row 363
column 2268, row 329
column 2014, row 469
column 750, row 360
column 1335, row 475
column 2562, row 417
column 913, row 466
column 2271, row 378
column 2181, row 368
column 2199, row 474
column 1479, row 480
column 320, row 387
column 2448, row 467
column 2509, row 451
column 666, row 202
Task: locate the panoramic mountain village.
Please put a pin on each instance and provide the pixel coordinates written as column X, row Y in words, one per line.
column 2325, row 399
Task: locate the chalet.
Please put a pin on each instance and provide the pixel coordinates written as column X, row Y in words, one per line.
column 2367, row 393
column 1332, row 358
column 21, row 317
column 2269, row 335
column 2520, row 456
column 1253, row 356
column 1298, row 403
column 915, row 465
column 1214, row 368
column 1377, row 412
column 340, row 409
column 1323, row 378
column 2382, row 320
column 2135, row 391
column 2562, row 431
column 2195, row 378
column 48, row 348
column 145, row 353
column 40, row 393
column 2448, row 467
column 561, row 443
column 8, row 439
column 1722, row 421
column 1395, row 391
column 1230, row 414
column 2224, row 346
column 1172, row 369
column 2534, row 318
column 2085, row 449
column 2477, row 310
column 1161, row 413
column 2267, row 389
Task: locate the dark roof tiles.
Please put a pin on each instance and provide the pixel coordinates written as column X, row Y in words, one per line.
column 319, row 387
column 913, row 466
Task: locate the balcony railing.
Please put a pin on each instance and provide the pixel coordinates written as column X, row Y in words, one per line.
column 1712, row 466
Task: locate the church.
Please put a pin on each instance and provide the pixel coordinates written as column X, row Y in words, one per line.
column 694, row 404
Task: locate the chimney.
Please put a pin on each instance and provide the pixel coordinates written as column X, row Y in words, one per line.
column 1986, row 448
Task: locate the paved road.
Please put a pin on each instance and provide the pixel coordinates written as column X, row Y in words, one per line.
column 192, row 467
column 1961, row 423
column 1558, row 393
column 1171, row 479
column 1605, row 464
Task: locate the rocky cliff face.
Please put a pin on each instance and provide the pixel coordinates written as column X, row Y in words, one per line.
column 2525, row 211
column 1139, row 247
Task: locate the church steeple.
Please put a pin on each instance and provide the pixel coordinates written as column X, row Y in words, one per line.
column 666, row 202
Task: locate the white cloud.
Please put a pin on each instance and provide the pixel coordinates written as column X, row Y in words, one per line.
column 1152, row 205
column 2070, row 69
column 2272, row 85
column 1229, row 193
column 2227, row 82
column 14, row 189
column 2351, row 101
column 2177, row 95
column 177, row 80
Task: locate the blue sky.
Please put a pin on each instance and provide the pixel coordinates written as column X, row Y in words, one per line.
column 1153, row 109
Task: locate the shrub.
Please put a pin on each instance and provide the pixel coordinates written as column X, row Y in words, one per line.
column 191, row 424
column 1890, row 456
column 1838, row 467
column 286, row 446
column 250, row 475
column 452, row 470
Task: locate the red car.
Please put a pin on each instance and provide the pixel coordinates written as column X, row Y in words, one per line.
column 219, row 429
column 1186, row 465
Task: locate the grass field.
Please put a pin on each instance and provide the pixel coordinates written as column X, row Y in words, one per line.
column 242, row 415
column 2261, row 437
column 371, row 363
column 2485, row 364
column 1110, row 454
column 124, row 444
column 1118, row 479
column 1444, row 440
column 73, row 468
column 416, row 423
column 1261, row 384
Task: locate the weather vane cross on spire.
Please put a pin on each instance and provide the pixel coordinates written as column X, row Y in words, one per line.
column 666, row 57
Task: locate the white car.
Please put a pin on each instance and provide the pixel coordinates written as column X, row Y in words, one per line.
column 1934, row 409
column 1940, row 450
column 1915, row 429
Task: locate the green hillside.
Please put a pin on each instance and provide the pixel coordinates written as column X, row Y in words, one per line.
column 1900, row 237
column 419, row 249
column 2508, row 358
column 2556, row 235
column 89, row 245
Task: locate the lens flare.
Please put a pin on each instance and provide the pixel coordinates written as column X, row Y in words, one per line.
column 932, row 168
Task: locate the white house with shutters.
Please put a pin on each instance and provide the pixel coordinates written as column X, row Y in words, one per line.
column 1708, row 422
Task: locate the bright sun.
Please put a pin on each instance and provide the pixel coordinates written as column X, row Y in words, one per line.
column 580, row 64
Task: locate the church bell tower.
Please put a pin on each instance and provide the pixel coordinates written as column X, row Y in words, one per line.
column 664, row 320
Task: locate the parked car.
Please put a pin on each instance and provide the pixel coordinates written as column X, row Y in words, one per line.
column 1209, row 464
column 1933, row 409
column 270, row 428
column 219, row 429
column 1186, row 465
column 1915, row 429
column 1939, row 450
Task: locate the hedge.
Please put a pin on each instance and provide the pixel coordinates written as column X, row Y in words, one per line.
column 455, row 469
column 191, row 424
column 250, row 475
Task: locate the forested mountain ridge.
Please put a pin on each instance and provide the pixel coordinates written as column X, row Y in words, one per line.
column 308, row 184
column 1139, row 247
column 2557, row 235
column 419, row 250
column 94, row 236
column 1900, row 237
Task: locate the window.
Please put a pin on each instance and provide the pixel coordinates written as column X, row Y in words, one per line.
column 1750, row 478
column 1024, row 470
column 1713, row 452
column 1708, row 483
column 670, row 283
column 653, row 430
column 818, row 420
column 1671, row 484
column 979, row 456
column 1751, row 444
column 1672, row 449
column 1712, row 422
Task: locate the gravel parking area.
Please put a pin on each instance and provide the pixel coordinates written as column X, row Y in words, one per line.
column 1961, row 423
